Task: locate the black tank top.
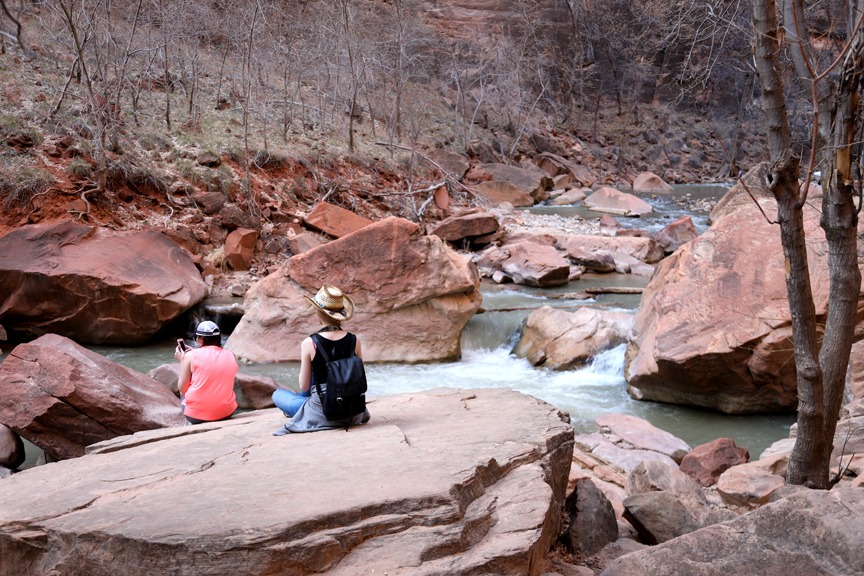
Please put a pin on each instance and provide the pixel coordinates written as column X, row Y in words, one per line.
column 335, row 349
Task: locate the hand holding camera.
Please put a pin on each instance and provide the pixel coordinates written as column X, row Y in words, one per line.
column 181, row 349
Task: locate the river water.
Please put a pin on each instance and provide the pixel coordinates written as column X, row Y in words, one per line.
column 584, row 393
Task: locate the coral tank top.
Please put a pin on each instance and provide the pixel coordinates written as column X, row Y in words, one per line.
column 211, row 392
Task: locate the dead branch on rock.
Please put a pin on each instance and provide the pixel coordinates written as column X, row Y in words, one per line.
column 450, row 177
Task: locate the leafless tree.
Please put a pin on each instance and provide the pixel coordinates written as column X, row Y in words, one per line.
column 16, row 22
column 834, row 72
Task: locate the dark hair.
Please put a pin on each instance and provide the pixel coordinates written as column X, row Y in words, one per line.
column 211, row 340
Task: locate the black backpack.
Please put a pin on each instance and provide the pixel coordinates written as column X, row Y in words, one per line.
column 345, row 396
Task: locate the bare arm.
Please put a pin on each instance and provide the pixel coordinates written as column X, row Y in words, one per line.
column 307, row 352
column 185, row 373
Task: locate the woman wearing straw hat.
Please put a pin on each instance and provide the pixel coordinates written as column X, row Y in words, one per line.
column 305, row 409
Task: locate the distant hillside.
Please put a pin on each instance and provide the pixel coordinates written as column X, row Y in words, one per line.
column 120, row 113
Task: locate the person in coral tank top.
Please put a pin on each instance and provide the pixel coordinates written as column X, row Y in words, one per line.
column 206, row 380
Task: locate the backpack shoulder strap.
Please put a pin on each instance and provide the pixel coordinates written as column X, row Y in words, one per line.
column 316, row 339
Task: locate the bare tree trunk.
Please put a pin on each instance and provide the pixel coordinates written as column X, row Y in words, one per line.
column 221, row 74
column 821, row 373
column 247, row 67
column 17, row 24
column 840, row 222
column 354, row 80
column 95, row 102
column 166, row 68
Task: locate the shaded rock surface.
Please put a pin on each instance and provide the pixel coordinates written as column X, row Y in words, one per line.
column 62, row 397
column 11, row 448
column 413, row 295
column 658, row 516
column 446, row 481
column 94, row 285
column 592, row 519
column 810, row 532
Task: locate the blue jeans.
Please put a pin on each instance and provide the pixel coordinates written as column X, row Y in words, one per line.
column 289, row 401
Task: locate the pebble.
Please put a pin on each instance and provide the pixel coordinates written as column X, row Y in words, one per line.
column 566, row 224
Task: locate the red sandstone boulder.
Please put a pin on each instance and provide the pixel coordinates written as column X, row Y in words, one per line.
column 560, row 340
column 614, row 201
column 451, row 482
column 11, row 448
column 93, row 284
column 651, row 183
column 412, row 292
column 459, row 227
column 534, row 264
column 705, row 463
column 567, row 198
column 555, row 165
column 334, row 220
column 679, row 232
column 609, row 226
column 638, row 247
column 532, row 181
column 240, row 248
column 855, row 382
column 496, row 193
column 525, row 260
column 713, row 328
column 62, row 397
column 451, row 164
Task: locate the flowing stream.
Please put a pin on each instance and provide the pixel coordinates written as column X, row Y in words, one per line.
column 597, row 388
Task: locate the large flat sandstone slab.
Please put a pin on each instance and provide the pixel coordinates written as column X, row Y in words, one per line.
column 446, row 481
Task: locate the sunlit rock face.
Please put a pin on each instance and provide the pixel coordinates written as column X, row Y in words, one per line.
column 713, row 328
column 413, row 295
column 94, row 285
column 446, row 481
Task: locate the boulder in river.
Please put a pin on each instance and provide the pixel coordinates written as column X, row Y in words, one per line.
column 561, row 340
column 413, row 296
column 62, row 397
column 607, row 199
column 94, row 285
column 447, row 481
column 713, row 328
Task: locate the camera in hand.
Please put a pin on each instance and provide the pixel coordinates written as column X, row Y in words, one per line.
column 182, row 344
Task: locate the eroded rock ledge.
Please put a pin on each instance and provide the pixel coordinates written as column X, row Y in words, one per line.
column 446, row 481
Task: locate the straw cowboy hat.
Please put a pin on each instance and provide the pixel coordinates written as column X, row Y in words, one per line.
column 332, row 302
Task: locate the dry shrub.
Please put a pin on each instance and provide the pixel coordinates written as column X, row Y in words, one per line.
column 19, row 184
column 216, row 258
column 80, row 168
